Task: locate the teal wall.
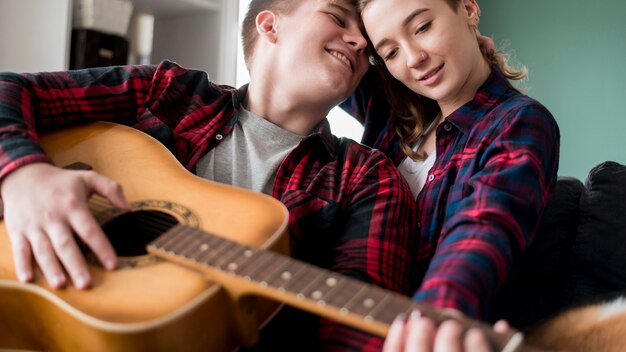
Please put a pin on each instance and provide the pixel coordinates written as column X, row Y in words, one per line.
column 575, row 51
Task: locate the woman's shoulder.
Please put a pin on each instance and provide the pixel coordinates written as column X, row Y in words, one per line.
column 521, row 106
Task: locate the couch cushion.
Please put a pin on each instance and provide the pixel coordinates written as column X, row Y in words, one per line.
column 536, row 286
column 599, row 252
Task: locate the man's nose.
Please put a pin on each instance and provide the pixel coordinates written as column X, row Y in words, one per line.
column 356, row 40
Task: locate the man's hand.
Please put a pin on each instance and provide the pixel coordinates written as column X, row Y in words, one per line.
column 44, row 206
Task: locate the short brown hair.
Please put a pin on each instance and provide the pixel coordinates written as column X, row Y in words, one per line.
column 248, row 28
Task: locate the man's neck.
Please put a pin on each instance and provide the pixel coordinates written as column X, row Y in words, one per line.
column 288, row 111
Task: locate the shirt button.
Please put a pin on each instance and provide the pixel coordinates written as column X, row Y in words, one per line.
column 219, row 136
column 447, row 127
column 419, row 225
column 431, row 178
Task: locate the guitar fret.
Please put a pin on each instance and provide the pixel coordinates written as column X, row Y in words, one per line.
column 372, row 315
column 354, row 299
column 188, row 246
column 226, row 252
column 342, row 293
column 235, row 258
column 162, row 242
column 202, row 247
column 397, row 305
column 262, row 259
column 263, row 277
column 302, row 280
column 371, row 299
column 212, row 249
column 251, row 261
column 172, row 238
column 320, row 291
column 285, row 276
column 181, row 241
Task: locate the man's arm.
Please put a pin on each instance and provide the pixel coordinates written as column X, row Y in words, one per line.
column 44, row 205
column 31, row 103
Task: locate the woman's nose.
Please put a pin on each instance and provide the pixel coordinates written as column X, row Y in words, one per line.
column 415, row 57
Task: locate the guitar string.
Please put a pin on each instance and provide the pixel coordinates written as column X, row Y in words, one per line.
column 159, row 223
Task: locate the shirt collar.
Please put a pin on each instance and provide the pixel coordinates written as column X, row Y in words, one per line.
column 495, row 89
column 320, row 132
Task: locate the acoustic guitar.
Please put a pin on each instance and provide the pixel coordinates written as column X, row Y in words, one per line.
column 202, row 266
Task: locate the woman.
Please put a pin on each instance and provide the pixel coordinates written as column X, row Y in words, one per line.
column 480, row 156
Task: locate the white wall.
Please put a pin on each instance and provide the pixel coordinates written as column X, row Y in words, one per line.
column 35, row 35
column 191, row 40
column 205, row 40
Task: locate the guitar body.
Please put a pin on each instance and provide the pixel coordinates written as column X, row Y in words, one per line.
column 147, row 304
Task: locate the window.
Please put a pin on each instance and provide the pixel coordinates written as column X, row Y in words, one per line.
column 341, row 123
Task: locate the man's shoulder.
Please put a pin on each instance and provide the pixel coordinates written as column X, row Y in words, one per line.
column 358, row 154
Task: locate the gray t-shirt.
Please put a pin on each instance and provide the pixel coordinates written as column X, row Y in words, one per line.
column 250, row 156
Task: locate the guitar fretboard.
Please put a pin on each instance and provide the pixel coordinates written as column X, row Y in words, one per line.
column 273, row 271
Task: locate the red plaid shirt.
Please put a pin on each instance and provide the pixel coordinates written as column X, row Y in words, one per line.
column 496, row 164
column 349, row 208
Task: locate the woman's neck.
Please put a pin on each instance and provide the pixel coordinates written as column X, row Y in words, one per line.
column 467, row 92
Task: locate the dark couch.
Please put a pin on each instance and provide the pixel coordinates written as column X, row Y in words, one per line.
column 579, row 253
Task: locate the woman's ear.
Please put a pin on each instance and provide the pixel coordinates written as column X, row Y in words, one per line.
column 472, row 10
column 266, row 25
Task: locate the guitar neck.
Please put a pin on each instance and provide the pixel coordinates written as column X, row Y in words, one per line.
column 304, row 286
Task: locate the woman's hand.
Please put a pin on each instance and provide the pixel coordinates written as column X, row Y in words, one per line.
column 418, row 333
column 44, row 207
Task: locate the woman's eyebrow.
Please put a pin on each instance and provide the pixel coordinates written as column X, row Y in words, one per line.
column 405, row 22
column 412, row 15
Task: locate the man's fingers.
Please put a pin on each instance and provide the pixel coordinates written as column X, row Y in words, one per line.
column 70, row 255
column 108, row 189
column 91, row 233
column 22, row 257
column 46, row 258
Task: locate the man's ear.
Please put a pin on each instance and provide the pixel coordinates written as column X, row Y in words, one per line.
column 266, row 22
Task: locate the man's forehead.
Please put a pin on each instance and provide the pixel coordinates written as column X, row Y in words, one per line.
column 348, row 4
column 344, row 5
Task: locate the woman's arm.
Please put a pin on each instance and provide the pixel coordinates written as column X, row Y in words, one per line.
column 493, row 222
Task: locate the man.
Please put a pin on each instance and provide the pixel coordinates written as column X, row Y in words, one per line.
column 350, row 210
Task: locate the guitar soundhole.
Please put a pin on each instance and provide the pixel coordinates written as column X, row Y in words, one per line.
column 129, row 233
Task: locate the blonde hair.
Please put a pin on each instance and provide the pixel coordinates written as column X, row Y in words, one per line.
column 414, row 112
